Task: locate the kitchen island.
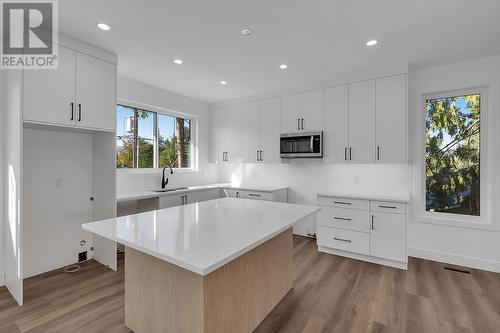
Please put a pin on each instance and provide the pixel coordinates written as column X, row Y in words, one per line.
column 215, row 266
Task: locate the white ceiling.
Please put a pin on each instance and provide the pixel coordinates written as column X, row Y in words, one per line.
column 319, row 39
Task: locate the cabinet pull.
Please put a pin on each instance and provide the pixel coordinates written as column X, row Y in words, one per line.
column 182, row 200
column 254, row 195
column 226, row 156
column 79, row 112
column 302, row 123
column 72, row 111
column 342, row 240
column 237, row 194
column 341, row 203
column 257, row 155
column 298, row 124
column 350, row 153
column 341, row 218
column 373, row 228
column 378, row 153
column 390, row 207
column 345, row 154
column 185, row 199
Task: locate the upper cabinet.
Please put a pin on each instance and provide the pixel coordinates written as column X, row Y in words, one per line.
column 80, row 93
column 226, row 134
column 362, row 122
column 391, row 119
column 251, row 132
column 302, row 112
column 218, row 134
column 336, row 132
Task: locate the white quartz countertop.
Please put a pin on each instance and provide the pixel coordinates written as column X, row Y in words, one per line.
column 399, row 197
column 139, row 195
column 204, row 236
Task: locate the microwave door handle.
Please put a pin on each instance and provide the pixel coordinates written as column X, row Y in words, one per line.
column 312, row 144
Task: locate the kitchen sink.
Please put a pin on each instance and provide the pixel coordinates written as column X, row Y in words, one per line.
column 170, row 189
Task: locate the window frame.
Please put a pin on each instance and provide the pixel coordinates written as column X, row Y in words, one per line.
column 459, row 220
column 158, row 110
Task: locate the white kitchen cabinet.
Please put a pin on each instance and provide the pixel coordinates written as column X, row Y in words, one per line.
column 391, row 119
column 387, row 236
column 202, row 195
column 279, row 195
column 336, row 129
column 270, row 130
column 218, row 134
column 80, row 93
column 290, row 113
column 311, row 110
column 364, row 229
column 362, row 122
column 251, row 132
column 49, row 95
column 233, row 134
column 170, row 200
column 95, row 93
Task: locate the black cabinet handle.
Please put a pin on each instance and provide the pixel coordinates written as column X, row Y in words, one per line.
column 302, row 123
column 342, row 240
column 79, row 112
column 341, row 218
column 254, row 195
column 378, row 153
column 372, row 222
column 350, row 154
column 298, row 124
column 257, row 155
column 390, row 207
column 260, row 154
column 342, row 203
column 345, row 154
column 185, row 199
column 72, row 111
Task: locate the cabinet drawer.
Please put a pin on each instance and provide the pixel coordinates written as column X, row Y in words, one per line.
column 343, row 202
column 346, row 240
column 351, row 219
column 256, row 195
column 388, row 206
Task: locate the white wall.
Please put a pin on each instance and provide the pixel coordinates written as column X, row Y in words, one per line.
column 465, row 244
column 2, row 174
column 146, row 95
column 306, row 178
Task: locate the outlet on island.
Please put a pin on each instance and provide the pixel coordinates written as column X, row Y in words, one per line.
column 82, row 256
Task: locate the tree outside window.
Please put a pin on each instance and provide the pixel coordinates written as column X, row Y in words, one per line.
column 452, row 148
column 147, row 139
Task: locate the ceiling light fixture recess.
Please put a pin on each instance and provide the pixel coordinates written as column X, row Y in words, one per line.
column 246, row 32
column 372, row 42
column 103, row 26
column 178, row 61
column 283, row 66
column 223, row 83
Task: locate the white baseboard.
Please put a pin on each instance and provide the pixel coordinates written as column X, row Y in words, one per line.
column 357, row 256
column 448, row 258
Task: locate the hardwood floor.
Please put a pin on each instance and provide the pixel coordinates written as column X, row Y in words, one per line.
column 330, row 294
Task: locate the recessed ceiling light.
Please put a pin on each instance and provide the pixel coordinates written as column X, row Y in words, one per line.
column 246, row 32
column 284, row 66
column 103, row 26
column 372, row 42
column 178, row 61
column 223, row 83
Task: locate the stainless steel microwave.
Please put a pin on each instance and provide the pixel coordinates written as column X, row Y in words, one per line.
column 301, row 145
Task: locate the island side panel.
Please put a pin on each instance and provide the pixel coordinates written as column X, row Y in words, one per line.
column 161, row 297
column 240, row 294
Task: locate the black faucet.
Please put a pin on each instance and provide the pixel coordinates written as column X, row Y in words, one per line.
column 164, row 181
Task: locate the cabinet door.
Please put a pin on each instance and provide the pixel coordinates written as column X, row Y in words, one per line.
column 311, row 110
column 168, row 201
column 290, row 113
column 336, row 127
column 391, row 119
column 270, row 130
column 48, row 94
column 218, row 134
column 95, row 93
column 387, row 236
column 233, row 134
column 203, row 195
column 250, row 132
column 362, row 121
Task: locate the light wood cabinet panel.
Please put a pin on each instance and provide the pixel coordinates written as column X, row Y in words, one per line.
column 388, row 236
column 95, row 93
column 48, row 95
column 311, row 114
column 391, row 119
column 336, row 129
column 362, row 122
column 290, row 113
column 270, row 130
column 251, row 132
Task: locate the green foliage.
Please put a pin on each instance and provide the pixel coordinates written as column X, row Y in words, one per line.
column 453, row 154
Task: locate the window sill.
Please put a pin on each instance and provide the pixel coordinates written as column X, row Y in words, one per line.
column 154, row 171
column 456, row 222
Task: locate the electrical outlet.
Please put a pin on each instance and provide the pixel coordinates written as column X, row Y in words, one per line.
column 82, row 256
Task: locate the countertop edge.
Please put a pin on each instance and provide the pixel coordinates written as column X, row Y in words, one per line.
column 367, row 196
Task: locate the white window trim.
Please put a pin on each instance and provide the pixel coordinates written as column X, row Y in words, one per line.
column 484, row 221
column 159, row 110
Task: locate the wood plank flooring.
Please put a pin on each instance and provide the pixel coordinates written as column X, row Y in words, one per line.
column 330, row 294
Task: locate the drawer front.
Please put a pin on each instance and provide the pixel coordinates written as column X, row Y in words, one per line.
column 388, row 206
column 352, row 219
column 256, row 195
column 346, row 240
column 343, row 202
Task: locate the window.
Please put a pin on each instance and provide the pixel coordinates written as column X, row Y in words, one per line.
column 147, row 139
column 452, row 154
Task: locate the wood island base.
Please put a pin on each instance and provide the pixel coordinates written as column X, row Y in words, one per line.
column 162, row 297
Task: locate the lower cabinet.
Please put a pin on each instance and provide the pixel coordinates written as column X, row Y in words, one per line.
column 185, row 198
column 280, row 195
column 371, row 230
